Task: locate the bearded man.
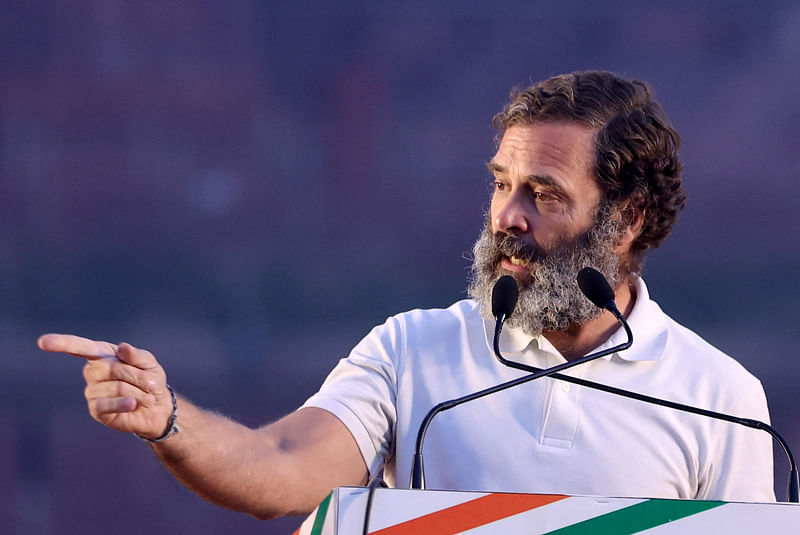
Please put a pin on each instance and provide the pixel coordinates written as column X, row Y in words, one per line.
column 586, row 174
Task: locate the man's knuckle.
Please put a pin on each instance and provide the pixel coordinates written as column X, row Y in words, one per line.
column 119, row 371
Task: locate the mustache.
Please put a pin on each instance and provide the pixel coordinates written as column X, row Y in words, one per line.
column 510, row 245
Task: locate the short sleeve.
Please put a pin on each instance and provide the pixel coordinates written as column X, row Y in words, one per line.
column 743, row 470
column 361, row 392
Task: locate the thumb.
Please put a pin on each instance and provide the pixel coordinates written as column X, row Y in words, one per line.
column 139, row 358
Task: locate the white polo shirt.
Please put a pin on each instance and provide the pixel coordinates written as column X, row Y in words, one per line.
column 549, row 436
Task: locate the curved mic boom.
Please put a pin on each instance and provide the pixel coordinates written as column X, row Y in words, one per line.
column 417, row 466
column 596, row 288
column 593, row 285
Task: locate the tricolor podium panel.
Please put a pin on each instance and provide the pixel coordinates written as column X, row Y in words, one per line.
column 435, row 512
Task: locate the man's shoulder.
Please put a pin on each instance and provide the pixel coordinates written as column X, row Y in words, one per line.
column 465, row 310
column 688, row 349
column 423, row 327
column 680, row 346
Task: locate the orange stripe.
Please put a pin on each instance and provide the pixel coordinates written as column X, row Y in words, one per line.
column 471, row 514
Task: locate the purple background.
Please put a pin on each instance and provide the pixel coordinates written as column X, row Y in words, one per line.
column 246, row 188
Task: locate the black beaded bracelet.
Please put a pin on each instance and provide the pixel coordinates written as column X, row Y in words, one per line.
column 172, row 425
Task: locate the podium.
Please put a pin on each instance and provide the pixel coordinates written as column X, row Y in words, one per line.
column 434, row 512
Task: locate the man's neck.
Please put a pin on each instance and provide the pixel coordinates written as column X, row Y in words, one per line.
column 578, row 340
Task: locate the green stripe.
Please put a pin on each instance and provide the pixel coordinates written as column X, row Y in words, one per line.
column 638, row 517
column 319, row 520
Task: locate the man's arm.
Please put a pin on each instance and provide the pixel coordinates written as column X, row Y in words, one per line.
column 283, row 468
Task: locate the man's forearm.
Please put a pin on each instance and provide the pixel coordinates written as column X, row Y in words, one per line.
column 267, row 472
column 284, row 468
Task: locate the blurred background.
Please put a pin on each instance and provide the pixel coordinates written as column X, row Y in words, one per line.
column 245, row 188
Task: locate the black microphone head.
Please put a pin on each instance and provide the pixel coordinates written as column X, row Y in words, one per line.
column 504, row 296
column 595, row 287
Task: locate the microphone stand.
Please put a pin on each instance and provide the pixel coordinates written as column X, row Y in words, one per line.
column 794, row 479
column 417, row 467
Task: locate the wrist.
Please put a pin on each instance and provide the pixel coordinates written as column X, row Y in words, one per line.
column 172, row 424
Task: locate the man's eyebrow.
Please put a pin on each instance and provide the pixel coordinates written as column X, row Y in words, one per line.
column 495, row 168
column 542, row 180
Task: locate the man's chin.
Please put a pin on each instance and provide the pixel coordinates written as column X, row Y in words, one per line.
column 524, row 281
column 524, row 277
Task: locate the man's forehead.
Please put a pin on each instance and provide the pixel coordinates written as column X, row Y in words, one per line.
column 554, row 143
column 542, row 179
column 547, row 152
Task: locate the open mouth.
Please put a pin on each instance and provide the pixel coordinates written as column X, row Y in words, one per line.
column 519, row 261
column 515, row 264
column 513, row 254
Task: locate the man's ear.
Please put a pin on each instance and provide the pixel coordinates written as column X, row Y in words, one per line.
column 633, row 219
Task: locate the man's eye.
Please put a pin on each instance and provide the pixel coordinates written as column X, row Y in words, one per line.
column 542, row 196
column 499, row 186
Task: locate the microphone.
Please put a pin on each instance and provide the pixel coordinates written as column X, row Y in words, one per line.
column 596, row 288
column 504, row 298
column 505, row 292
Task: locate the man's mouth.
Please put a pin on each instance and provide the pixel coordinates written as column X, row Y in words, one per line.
column 514, row 255
column 517, row 261
column 516, row 265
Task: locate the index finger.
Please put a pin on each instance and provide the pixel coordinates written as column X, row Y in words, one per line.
column 77, row 346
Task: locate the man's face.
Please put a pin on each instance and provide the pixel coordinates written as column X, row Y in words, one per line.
column 545, row 224
column 545, row 193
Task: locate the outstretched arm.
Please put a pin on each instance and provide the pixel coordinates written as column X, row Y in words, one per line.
column 283, row 468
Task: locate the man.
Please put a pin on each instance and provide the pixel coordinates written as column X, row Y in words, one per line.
column 586, row 174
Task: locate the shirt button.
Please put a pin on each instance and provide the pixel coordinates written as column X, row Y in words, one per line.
column 565, row 387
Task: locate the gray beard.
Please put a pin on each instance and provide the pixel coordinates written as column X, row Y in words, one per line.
column 549, row 300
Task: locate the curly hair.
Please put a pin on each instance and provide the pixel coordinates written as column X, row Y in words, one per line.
column 636, row 150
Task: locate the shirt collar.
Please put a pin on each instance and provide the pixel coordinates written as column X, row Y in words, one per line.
column 647, row 323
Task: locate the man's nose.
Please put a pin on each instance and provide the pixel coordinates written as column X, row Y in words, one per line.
column 510, row 215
